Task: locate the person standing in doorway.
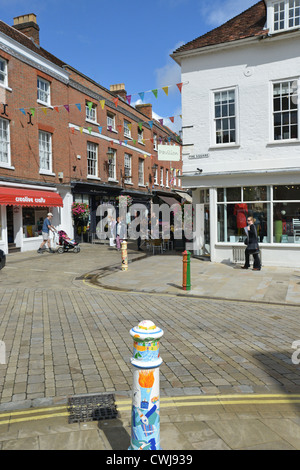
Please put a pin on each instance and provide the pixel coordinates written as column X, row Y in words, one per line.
column 47, row 226
column 252, row 246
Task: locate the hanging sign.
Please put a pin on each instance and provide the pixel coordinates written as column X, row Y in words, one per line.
column 169, row 153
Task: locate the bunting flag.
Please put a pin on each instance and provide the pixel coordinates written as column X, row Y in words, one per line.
column 116, row 101
column 166, row 89
column 154, row 93
column 44, row 111
column 179, row 85
column 90, row 130
column 150, row 124
column 67, row 107
column 140, row 124
column 141, row 95
column 102, row 102
column 81, row 129
column 129, row 125
column 78, row 106
column 23, row 111
column 161, row 121
column 119, row 128
column 56, row 109
column 100, row 130
column 171, row 119
column 128, row 98
column 90, row 105
column 32, row 110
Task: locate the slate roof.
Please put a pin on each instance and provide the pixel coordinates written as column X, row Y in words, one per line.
column 248, row 24
column 21, row 38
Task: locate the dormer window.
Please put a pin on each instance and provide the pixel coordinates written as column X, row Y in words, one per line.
column 286, row 15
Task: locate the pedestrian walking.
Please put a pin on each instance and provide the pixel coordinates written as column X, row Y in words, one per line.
column 252, row 245
column 111, row 226
column 47, row 227
column 120, row 232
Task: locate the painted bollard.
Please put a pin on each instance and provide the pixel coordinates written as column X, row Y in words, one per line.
column 145, row 418
column 186, row 282
column 124, row 256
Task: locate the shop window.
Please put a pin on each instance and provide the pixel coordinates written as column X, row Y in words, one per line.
column 286, row 222
column 286, row 193
column 232, row 218
column 33, row 220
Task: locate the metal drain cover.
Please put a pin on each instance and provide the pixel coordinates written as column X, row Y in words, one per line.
column 92, row 407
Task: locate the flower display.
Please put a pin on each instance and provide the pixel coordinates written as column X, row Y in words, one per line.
column 124, row 200
column 80, row 212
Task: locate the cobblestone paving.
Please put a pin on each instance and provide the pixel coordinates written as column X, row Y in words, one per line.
column 73, row 341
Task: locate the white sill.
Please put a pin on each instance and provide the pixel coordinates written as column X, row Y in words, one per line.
column 92, row 122
column 90, row 177
column 156, row 184
column 131, row 184
column 45, row 105
column 142, row 185
column 284, row 141
column 141, row 143
column 112, row 130
column 113, row 180
column 223, row 146
column 7, row 167
column 48, row 173
column 5, row 87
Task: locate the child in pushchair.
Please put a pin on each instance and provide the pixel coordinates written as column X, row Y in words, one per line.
column 66, row 243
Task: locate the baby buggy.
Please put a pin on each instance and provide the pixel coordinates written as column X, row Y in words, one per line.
column 65, row 243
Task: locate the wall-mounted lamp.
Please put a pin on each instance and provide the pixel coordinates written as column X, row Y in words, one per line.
column 200, row 170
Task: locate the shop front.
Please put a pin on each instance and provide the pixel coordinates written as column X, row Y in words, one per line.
column 222, row 212
column 22, row 212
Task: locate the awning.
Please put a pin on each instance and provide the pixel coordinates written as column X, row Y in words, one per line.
column 29, row 197
column 169, row 200
column 184, row 195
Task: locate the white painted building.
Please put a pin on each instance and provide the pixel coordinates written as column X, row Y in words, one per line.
column 241, row 132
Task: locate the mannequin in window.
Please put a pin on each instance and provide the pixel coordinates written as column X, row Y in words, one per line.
column 240, row 211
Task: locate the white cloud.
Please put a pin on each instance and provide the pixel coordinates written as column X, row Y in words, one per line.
column 170, row 73
column 223, row 10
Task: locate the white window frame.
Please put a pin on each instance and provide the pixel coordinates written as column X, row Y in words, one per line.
column 112, row 165
column 91, row 114
column 111, row 121
column 92, row 160
column 288, row 5
column 294, row 86
column 141, row 172
column 45, row 152
column 140, row 136
column 174, row 177
column 41, row 93
column 167, row 178
column 5, row 143
column 127, row 130
column 127, row 168
column 4, row 73
column 161, row 176
column 223, row 118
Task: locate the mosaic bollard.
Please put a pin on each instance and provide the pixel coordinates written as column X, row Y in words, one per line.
column 124, row 256
column 186, row 282
column 145, row 419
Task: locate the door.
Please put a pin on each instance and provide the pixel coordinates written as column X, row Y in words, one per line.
column 10, row 224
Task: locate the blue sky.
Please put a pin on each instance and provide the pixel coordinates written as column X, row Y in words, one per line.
column 115, row 41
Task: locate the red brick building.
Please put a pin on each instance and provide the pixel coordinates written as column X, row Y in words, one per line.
column 65, row 138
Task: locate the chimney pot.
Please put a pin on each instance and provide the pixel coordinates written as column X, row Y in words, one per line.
column 27, row 25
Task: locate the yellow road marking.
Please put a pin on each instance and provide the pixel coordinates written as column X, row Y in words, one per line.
column 166, row 402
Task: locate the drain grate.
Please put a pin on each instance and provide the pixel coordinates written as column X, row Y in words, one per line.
column 93, row 407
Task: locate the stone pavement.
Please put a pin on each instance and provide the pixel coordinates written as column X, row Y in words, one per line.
column 227, row 381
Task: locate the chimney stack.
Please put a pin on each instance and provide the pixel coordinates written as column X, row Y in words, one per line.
column 119, row 89
column 27, row 24
column 145, row 109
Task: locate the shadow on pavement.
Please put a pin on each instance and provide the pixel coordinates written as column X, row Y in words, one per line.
column 115, row 433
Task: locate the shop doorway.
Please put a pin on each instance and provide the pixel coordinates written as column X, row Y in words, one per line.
column 10, row 225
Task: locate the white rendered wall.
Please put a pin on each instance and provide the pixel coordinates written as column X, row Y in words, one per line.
column 251, row 69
